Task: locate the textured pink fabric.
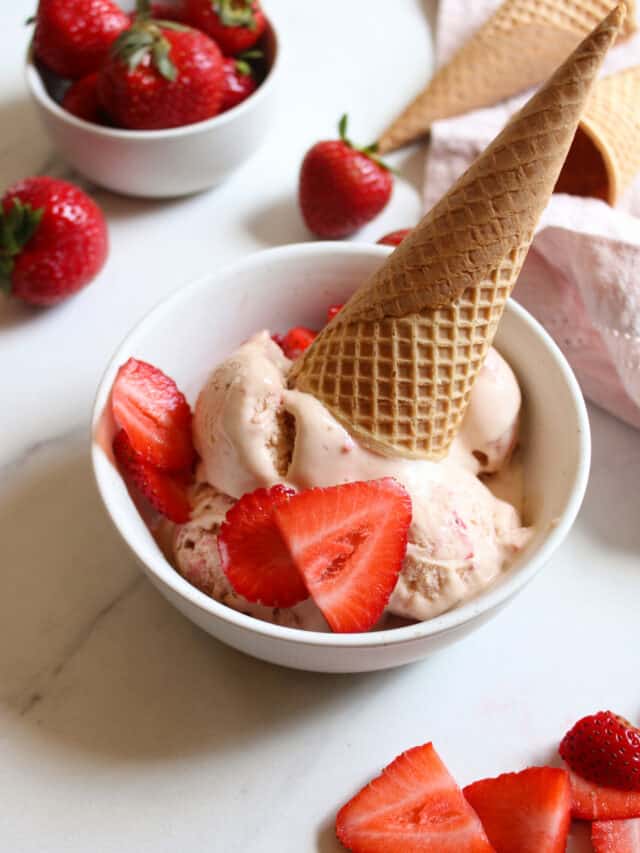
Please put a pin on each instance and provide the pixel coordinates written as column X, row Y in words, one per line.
column 582, row 276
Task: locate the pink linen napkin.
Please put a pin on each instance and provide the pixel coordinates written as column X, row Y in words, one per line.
column 581, row 278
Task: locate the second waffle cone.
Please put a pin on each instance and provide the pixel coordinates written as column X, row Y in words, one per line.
column 515, row 49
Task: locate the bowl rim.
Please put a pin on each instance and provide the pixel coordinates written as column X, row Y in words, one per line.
column 38, row 90
column 484, row 602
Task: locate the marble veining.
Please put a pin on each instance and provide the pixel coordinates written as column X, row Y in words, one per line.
column 36, row 691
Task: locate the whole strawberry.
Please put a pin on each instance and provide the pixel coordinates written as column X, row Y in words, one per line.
column 342, row 187
column 161, row 74
column 236, row 25
column 73, row 37
column 604, row 748
column 81, row 99
column 239, row 80
column 53, row 240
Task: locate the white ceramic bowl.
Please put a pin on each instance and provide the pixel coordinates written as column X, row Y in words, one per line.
column 188, row 334
column 160, row 163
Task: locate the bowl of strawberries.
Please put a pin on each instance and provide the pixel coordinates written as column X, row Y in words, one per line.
column 160, row 101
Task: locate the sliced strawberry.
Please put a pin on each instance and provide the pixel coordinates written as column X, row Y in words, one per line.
column 296, row 341
column 348, row 543
column 332, row 311
column 595, row 802
column 616, row 836
column 165, row 491
column 527, row 812
column 394, row 238
column 155, row 415
column 254, row 557
column 414, row 805
column 604, row 748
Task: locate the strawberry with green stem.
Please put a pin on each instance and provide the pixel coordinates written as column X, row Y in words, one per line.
column 235, row 25
column 161, row 74
column 53, row 240
column 342, row 187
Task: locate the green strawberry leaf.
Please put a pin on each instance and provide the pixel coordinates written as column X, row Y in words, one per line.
column 171, row 25
column 145, row 37
column 243, row 63
column 243, row 68
column 162, row 60
column 17, row 227
column 235, row 13
column 342, row 128
column 370, row 151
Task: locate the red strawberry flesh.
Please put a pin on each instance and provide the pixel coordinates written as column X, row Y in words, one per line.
column 253, row 555
column 528, row 812
column 166, row 492
column 155, row 415
column 414, row 805
column 616, row 836
column 348, row 542
column 333, row 311
column 296, row 341
column 394, row 238
column 597, row 802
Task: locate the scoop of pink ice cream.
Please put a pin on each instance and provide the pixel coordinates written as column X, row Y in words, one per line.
column 460, row 540
column 252, row 431
column 489, row 430
column 238, row 423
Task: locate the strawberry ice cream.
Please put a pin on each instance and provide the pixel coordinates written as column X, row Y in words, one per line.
column 251, row 431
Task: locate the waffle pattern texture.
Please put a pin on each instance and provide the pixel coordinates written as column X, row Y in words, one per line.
column 397, row 364
column 519, row 46
column 612, row 122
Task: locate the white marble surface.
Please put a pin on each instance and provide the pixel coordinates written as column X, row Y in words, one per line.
column 122, row 726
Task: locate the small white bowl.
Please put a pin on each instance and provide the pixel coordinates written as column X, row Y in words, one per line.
column 160, row 163
column 188, row 334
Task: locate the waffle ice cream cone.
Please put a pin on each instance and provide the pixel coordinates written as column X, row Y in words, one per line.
column 605, row 155
column 519, row 46
column 397, row 364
